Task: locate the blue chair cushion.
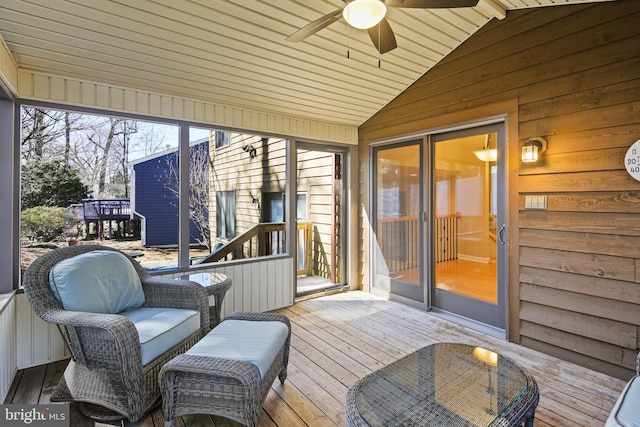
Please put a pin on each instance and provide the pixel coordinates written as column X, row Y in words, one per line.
column 96, row 282
column 160, row 329
column 626, row 412
column 250, row 341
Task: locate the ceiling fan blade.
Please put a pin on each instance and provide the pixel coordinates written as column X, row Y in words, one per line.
column 382, row 36
column 431, row 4
column 315, row 26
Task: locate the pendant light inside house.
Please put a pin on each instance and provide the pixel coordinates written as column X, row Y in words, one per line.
column 487, row 154
column 364, row 14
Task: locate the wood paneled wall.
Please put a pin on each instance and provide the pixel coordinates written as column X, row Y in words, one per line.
column 575, row 73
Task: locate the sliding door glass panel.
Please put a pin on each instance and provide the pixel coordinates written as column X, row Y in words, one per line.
column 398, row 203
column 466, row 202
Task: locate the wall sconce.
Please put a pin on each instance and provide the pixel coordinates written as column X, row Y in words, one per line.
column 532, row 149
column 251, row 150
column 255, row 201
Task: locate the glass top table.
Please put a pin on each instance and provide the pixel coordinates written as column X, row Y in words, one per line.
column 217, row 285
column 445, row 385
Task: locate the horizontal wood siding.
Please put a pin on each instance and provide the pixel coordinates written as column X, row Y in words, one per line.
column 315, row 178
column 235, row 170
column 575, row 72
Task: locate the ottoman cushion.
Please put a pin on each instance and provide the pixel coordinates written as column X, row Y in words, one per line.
column 255, row 342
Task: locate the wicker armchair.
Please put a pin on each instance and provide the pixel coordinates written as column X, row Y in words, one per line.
column 106, row 373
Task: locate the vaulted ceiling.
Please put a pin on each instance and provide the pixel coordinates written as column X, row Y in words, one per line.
column 235, row 53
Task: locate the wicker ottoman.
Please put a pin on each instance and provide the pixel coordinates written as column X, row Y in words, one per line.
column 230, row 380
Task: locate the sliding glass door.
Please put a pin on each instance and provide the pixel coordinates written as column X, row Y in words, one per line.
column 468, row 223
column 439, row 223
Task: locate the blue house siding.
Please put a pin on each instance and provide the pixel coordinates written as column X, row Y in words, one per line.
column 156, row 203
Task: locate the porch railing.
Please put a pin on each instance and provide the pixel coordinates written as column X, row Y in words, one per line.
column 268, row 238
column 98, row 211
column 446, row 242
column 399, row 240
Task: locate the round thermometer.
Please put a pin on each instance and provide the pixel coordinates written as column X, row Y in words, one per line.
column 632, row 160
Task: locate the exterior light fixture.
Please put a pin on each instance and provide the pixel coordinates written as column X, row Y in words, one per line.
column 532, row 149
column 364, row 14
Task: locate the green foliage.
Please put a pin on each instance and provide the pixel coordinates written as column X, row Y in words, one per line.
column 51, row 183
column 46, row 223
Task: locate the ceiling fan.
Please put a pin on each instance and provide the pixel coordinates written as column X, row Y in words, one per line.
column 370, row 15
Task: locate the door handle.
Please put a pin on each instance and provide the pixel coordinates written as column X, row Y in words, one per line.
column 501, row 234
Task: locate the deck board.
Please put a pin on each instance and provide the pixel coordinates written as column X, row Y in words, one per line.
column 337, row 339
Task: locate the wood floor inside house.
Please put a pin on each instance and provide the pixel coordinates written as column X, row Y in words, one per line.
column 469, row 278
column 340, row 338
column 465, row 277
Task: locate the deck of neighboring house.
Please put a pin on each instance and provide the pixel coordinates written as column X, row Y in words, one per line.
column 106, row 218
column 339, row 338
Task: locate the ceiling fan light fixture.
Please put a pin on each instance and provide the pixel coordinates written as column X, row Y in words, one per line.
column 364, row 14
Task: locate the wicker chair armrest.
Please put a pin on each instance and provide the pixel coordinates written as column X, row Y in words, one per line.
column 171, row 293
column 79, row 319
column 88, row 333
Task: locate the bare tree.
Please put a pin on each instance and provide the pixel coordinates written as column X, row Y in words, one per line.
column 41, row 131
column 129, row 128
column 199, row 166
column 98, row 146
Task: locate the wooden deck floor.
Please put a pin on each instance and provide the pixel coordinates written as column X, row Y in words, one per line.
column 340, row 338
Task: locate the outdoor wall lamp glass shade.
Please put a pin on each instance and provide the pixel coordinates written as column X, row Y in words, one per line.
column 532, row 149
column 364, row 14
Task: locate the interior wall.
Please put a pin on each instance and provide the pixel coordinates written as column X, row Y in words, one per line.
column 574, row 70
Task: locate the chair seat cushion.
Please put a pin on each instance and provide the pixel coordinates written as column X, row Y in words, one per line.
column 160, row 329
column 626, row 412
column 255, row 342
column 96, row 282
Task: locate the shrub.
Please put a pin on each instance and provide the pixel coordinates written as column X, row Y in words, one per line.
column 51, row 183
column 46, row 223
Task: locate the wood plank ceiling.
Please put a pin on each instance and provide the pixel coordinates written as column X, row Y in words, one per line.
column 234, row 52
